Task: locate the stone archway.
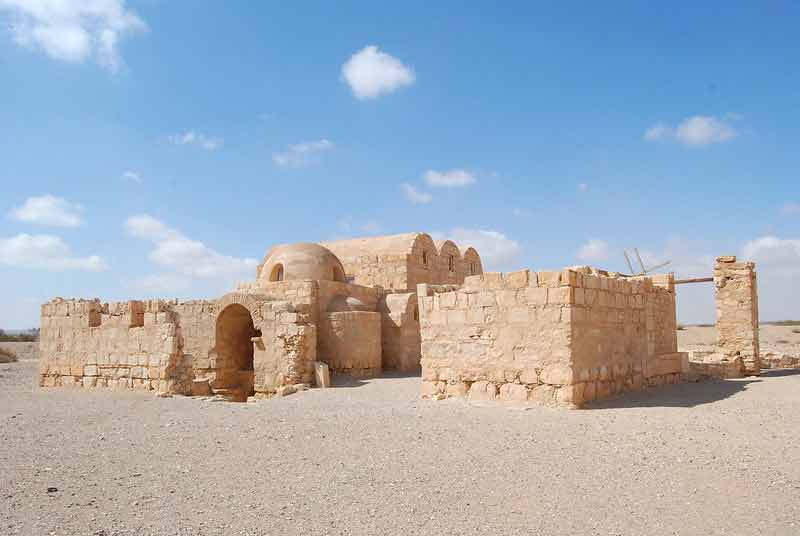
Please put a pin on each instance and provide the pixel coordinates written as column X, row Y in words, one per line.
column 234, row 335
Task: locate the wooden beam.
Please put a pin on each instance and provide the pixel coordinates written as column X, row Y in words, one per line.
column 695, row 280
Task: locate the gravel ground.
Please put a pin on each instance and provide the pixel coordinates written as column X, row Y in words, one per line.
column 23, row 350
column 371, row 458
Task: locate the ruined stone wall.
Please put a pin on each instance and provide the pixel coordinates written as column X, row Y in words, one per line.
column 400, row 335
column 117, row 345
column 549, row 337
column 350, row 343
column 623, row 334
column 737, row 313
column 500, row 336
column 171, row 347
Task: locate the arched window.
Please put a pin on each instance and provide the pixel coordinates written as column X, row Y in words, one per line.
column 277, row 273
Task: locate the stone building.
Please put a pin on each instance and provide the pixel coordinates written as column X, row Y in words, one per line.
column 349, row 304
column 405, row 303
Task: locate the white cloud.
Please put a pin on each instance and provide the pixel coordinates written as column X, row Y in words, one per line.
column 301, row 154
column 594, row 250
column 657, row 132
column 371, row 73
column 45, row 252
column 791, row 209
column 132, row 176
column 696, row 131
column 775, row 254
column 583, row 187
column 176, row 251
column 414, row 195
column 453, row 178
column 497, row 251
column 73, row 30
column 190, row 137
column 49, row 210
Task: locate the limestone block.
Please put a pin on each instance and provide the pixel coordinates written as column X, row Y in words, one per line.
column 429, row 389
column 457, row 389
column 482, row 390
column 558, row 374
column 322, row 377
column 542, row 394
column 513, row 392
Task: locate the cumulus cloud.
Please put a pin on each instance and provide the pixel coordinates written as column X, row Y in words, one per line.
column 46, row 252
column 73, row 30
column 49, row 210
column 132, row 176
column 453, row 178
column 497, row 251
column 594, row 250
column 695, row 131
column 774, row 254
column 190, row 137
column 178, row 252
column 371, row 73
column 414, row 195
column 301, row 154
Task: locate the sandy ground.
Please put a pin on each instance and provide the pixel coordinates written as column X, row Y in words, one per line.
column 783, row 339
column 23, row 350
column 371, row 458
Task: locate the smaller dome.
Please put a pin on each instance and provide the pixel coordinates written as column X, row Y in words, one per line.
column 346, row 303
column 301, row 261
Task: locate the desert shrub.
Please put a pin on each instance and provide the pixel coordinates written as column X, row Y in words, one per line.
column 796, row 330
column 7, row 356
column 680, row 327
column 782, row 341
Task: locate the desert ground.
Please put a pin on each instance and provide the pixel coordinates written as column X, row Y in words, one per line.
column 780, row 345
column 370, row 457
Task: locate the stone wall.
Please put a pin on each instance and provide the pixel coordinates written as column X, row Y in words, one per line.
column 737, row 313
column 117, row 345
column 400, row 337
column 548, row 337
column 350, row 343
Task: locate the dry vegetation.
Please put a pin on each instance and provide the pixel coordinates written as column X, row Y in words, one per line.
column 7, row 356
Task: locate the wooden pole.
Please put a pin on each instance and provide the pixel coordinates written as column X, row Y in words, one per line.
column 695, row 280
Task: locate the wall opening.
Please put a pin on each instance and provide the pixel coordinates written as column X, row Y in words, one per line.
column 338, row 275
column 425, row 258
column 451, row 263
column 472, row 268
column 277, row 273
column 235, row 333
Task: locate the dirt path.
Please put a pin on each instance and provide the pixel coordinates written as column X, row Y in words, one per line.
column 371, row 458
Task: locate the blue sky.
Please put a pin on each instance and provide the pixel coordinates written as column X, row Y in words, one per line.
column 155, row 148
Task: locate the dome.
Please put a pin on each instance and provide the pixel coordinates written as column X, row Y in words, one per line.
column 292, row 262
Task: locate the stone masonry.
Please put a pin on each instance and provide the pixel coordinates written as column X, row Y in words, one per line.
column 552, row 338
column 737, row 313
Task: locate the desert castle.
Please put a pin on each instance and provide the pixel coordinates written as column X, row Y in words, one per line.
column 404, row 303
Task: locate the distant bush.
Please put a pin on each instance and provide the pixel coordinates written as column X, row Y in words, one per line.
column 796, row 331
column 681, row 327
column 782, row 323
column 7, row 356
column 31, row 335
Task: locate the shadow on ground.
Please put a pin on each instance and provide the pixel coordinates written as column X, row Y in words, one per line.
column 348, row 381
column 683, row 395
column 776, row 373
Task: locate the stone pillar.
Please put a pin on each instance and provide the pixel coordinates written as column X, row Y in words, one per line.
column 737, row 313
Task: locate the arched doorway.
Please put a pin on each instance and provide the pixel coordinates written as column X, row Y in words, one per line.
column 235, row 332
